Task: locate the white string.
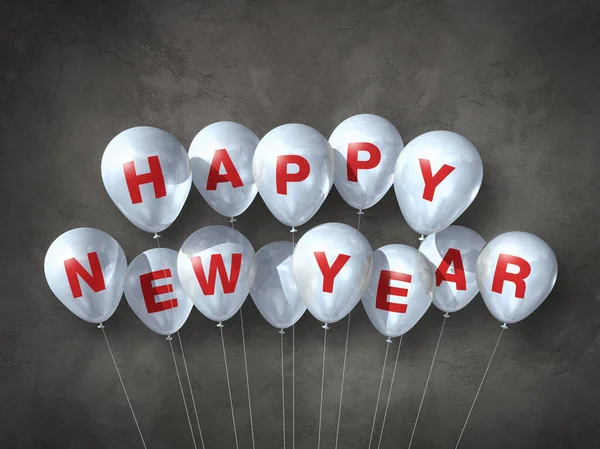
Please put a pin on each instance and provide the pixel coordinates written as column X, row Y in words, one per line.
column 337, row 433
column 247, row 379
column 480, row 385
column 187, row 373
column 322, row 383
column 182, row 394
column 387, row 347
column 101, row 326
column 191, row 390
column 389, row 393
column 220, row 325
column 233, row 220
column 282, row 389
column 293, row 364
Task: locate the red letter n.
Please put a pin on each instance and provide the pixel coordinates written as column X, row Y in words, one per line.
column 216, row 264
column 384, row 289
column 231, row 175
column 501, row 275
column 95, row 280
column 154, row 176
column 454, row 258
column 432, row 181
column 353, row 164
column 282, row 177
column 329, row 273
column 150, row 292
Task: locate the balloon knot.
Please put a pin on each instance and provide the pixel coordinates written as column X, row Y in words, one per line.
column 156, row 235
column 220, row 324
column 281, row 331
column 360, row 212
column 446, row 315
column 389, row 340
column 504, row 326
column 325, row 326
column 232, row 220
column 293, row 229
column 169, row 338
column 101, row 326
column 422, row 238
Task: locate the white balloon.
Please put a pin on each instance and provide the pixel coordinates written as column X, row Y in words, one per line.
column 332, row 265
column 437, row 176
column 454, row 253
column 274, row 290
column 85, row 269
column 154, row 293
column 221, row 157
column 516, row 272
column 366, row 148
column 147, row 174
column 401, row 289
column 293, row 169
column 216, row 268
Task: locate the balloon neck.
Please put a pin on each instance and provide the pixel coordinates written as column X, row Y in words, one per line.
column 293, row 229
column 156, row 235
column 232, row 220
column 389, row 340
column 446, row 315
column 281, row 331
column 325, row 326
column 101, row 326
column 504, row 326
column 360, row 212
column 421, row 238
column 169, row 338
column 220, row 324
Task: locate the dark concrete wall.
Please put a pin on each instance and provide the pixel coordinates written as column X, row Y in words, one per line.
column 518, row 78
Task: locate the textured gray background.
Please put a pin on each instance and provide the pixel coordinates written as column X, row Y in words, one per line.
column 518, row 78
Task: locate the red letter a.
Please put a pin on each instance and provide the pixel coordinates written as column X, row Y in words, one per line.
column 454, row 258
column 231, row 175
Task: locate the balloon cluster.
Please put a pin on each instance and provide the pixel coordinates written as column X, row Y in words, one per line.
column 148, row 174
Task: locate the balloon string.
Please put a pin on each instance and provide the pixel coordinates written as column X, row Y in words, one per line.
column 282, row 388
column 101, row 326
column 322, row 384
column 247, row 378
column 191, row 390
column 387, row 405
column 480, row 385
column 233, row 220
column 427, row 382
column 337, row 433
column 182, row 394
column 293, row 364
column 220, row 325
column 387, row 347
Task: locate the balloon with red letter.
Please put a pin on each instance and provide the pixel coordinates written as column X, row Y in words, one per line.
column 332, row 265
column 274, row 290
column 400, row 291
column 366, row 148
column 221, row 157
column 146, row 172
column 437, row 176
column 453, row 252
column 516, row 272
column 293, row 170
column 85, row 269
column 216, row 268
column 154, row 293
